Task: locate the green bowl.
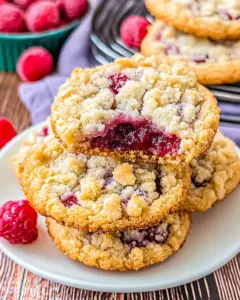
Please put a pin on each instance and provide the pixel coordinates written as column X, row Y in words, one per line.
column 12, row 45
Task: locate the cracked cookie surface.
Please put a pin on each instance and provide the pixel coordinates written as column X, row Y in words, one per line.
column 215, row 19
column 101, row 193
column 214, row 175
column 214, row 62
column 136, row 108
column 130, row 250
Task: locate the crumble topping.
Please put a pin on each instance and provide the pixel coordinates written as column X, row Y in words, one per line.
column 178, row 122
column 129, row 250
column 113, row 185
column 142, row 238
column 35, row 137
column 167, row 97
column 127, row 240
column 226, row 10
column 172, row 42
column 213, row 172
column 104, row 186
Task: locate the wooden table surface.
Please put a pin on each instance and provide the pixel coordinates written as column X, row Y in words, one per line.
column 19, row 284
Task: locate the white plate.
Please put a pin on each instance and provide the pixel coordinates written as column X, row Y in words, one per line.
column 213, row 241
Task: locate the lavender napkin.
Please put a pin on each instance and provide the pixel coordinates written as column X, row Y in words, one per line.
column 38, row 96
column 231, row 131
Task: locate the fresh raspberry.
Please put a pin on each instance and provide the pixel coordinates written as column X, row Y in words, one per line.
column 24, row 4
column 74, row 9
column 11, row 18
column 7, row 132
column 18, row 222
column 42, row 16
column 62, row 22
column 34, row 64
column 59, row 4
column 133, row 31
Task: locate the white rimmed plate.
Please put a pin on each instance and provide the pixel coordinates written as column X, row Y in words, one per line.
column 213, row 241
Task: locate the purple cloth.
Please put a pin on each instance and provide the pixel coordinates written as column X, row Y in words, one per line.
column 232, row 109
column 38, row 96
column 231, row 131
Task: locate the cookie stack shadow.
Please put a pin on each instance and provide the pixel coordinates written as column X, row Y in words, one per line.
column 131, row 152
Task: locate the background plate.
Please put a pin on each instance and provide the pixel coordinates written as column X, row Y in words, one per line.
column 213, row 241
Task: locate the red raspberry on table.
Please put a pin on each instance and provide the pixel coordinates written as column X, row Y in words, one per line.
column 24, row 4
column 133, row 30
column 11, row 18
column 18, row 222
column 42, row 16
column 74, row 9
column 34, row 64
column 7, row 132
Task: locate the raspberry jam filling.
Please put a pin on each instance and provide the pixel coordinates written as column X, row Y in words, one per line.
column 116, row 82
column 69, row 199
column 125, row 133
column 228, row 17
column 200, row 58
column 44, row 131
column 172, row 49
column 142, row 238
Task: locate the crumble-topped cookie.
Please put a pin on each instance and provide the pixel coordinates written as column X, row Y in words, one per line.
column 35, row 137
column 129, row 250
column 214, row 62
column 215, row 175
column 99, row 193
column 136, row 108
column 215, row 19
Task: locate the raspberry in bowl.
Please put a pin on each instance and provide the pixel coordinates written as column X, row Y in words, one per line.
column 40, row 23
column 136, row 108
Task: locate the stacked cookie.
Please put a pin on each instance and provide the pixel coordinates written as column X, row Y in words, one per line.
column 205, row 34
column 114, row 178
